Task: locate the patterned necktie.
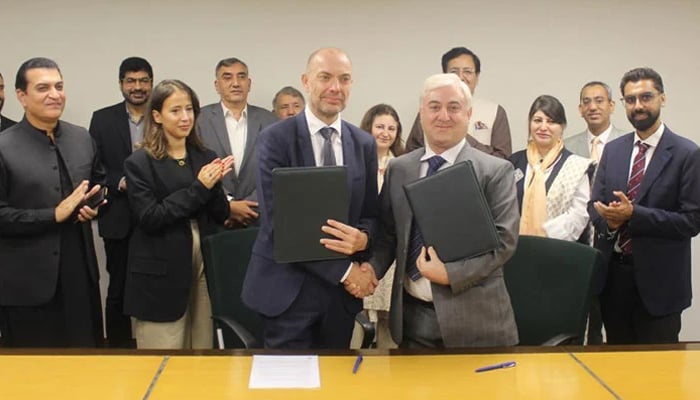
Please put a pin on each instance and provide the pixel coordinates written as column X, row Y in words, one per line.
column 327, row 153
column 416, row 242
column 594, row 149
column 635, row 181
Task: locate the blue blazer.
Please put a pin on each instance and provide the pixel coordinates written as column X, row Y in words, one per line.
column 269, row 287
column 666, row 216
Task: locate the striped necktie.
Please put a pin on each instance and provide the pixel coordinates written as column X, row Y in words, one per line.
column 635, row 181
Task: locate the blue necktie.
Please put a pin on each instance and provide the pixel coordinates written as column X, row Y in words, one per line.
column 416, row 242
column 328, row 154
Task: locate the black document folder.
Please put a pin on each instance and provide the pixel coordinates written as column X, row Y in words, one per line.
column 303, row 199
column 452, row 213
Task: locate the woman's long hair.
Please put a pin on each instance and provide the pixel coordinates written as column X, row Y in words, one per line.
column 154, row 140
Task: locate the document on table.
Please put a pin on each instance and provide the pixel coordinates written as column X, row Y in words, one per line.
column 283, row 372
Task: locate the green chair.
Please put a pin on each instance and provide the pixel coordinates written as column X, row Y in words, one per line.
column 226, row 257
column 550, row 285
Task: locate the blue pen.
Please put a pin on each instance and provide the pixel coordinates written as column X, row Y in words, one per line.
column 358, row 361
column 507, row 364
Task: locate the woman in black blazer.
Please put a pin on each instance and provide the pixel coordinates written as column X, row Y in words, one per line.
column 176, row 197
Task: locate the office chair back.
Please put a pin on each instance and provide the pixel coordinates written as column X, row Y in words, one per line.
column 550, row 285
column 226, row 256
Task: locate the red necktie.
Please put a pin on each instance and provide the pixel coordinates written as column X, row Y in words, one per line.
column 633, row 185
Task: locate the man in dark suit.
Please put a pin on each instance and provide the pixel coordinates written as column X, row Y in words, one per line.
column 49, row 293
column 231, row 127
column 116, row 130
column 645, row 206
column 310, row 305
column 4, row 121
column 453, row 304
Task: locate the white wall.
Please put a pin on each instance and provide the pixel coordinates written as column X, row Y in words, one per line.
column 527, row 48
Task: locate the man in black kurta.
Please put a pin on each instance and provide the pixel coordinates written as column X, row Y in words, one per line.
column 49, row 294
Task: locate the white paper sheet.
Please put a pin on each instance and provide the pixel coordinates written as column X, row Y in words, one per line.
column 278, row 372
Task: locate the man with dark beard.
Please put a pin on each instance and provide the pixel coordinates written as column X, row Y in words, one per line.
column 116, row 130
column 4, row 121
column 645, row 206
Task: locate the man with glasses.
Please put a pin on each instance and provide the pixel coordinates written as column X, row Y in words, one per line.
column 488, row 129
column 645, row 206
column 116, row 130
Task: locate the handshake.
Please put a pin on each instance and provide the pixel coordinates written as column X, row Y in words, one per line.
column 361, row 281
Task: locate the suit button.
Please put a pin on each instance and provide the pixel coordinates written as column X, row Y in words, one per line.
column 55, row 252
column 58, row 189
column 54, row 168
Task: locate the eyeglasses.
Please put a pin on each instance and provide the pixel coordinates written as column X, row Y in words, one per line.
column 463, row 71
column 132, row 81
column 644, row 98
column 599, row 101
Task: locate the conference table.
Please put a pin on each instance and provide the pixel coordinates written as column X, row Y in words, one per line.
column 565, row 372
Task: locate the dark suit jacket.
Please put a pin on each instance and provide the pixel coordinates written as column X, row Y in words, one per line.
column 109, row 128
column 269, row 287
column 30, row 190
column 666, row 216
column 159, row 272
column 211, row 127
column 5, row 123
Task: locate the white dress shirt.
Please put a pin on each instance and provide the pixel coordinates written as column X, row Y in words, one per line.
column 652, row 141
column 420, row 288
column 237, row 135
column 602, row 140
column 317, row 140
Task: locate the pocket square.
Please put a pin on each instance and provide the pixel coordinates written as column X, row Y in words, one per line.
column 478, row 125
column 518, row 174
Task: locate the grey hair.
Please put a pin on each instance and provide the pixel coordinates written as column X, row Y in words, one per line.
column 441, row 80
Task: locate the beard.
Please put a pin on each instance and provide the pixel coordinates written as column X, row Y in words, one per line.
column 128, row 96
column 2, row 103
column 643, row 124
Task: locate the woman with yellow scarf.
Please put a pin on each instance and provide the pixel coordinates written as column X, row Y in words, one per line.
column 553, row 184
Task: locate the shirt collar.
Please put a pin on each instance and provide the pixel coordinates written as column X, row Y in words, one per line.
column 653, row 140
column 56, row 131
column 603, row 137
column 450, row 155
column 315, row 124
column 130, row 117
column 244, row 113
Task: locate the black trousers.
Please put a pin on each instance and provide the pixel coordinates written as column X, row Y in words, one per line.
column 72, row 317
column 626, row 319
column 421, row 329
column 118, row 325
column 317, row 319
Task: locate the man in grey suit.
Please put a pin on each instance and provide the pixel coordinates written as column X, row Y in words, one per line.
column 596, row 106
column 456, row 304
column 231, row 127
